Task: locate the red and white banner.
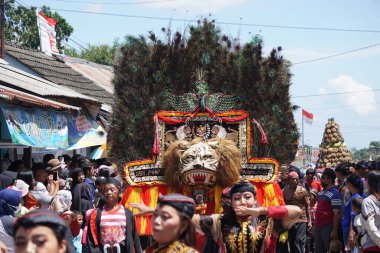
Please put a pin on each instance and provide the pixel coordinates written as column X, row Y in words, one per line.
column 307, row 117
column 46, row 29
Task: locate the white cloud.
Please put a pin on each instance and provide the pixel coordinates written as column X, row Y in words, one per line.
column 94, row 7
column 200, row 6
column 322, row 91
column 361, row 102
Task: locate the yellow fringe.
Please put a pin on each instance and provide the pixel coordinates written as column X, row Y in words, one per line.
column 218, row 193
column 270, row 196
column 134, row 197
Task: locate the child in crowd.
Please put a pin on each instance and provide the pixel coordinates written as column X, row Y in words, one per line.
column 77, row 240
column 357, row 226
column 313, row 197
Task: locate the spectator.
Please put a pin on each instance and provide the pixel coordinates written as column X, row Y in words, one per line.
column 66, row 159
column 88, row 171
column 5, row 181
column 328, row 212
column 39, row 195
column 46, row 158
column 371, row 214
column 294, row 194
column 62, row 202
column 13, row 169
column 40, row 173
column 310, row 180
column 55, row 165
column 81, row 198
column 357, row 224
column 9, row 202
column 78, row 239
column 77, row 177
column 119, row 232
column 100, row 182
column 355, row 188
column 362, row 167
column 74, row 161
column 5, row 162
column 23, row 187
column 313, row 196
column 342, row 171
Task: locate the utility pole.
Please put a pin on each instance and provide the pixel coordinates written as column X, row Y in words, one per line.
column 2, row 28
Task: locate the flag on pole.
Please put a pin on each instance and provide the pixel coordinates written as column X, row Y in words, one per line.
column 307, row 117
column 46, row 29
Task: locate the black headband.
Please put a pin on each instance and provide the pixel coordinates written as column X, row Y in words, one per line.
column 242, row 187
column 113, row 181
column 182, row 203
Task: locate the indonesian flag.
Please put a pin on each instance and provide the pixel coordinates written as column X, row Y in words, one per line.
column 307, row 117
column 46, row 29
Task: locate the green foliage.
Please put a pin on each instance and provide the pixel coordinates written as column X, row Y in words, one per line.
column 71, row 52
column 149, row 70
column 21, row 25
column 102, row 54
column 373, row 151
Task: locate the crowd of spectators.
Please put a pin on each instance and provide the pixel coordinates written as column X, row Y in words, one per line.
column 340, row 208
column 72, row 188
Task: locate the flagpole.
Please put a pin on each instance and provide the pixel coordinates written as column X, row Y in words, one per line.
column 39, row 29
column 303, row 140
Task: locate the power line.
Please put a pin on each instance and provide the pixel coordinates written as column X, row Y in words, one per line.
column 223, row 23
column 339, row 54
column 336, row 93
column 78, row 44
column 335, row 107
column 115, row 3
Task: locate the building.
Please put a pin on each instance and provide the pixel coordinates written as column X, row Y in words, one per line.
column 43, row 97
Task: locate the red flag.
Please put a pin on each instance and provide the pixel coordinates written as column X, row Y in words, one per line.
column 307, row 116
column 46, row 28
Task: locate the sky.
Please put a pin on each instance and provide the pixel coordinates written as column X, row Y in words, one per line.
column 355, row 75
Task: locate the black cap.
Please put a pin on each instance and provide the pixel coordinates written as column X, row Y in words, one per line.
column 242, row 187
column 182, row 203
column 113, row 181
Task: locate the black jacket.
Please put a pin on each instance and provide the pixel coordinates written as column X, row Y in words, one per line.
column 132, row 241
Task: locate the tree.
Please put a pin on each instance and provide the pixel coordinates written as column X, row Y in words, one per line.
column 150, row 69
column 373, row 151
column 21, row 25
column 359, row 154
column 102, row 54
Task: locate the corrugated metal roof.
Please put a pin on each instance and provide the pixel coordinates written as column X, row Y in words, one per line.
column 37, row 86
column 12, row 95
column 55, row 70
column 101, row 75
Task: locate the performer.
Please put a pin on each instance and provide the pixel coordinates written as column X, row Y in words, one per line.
column 245, row 227
column 172, row 228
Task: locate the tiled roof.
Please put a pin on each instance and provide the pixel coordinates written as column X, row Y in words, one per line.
column 56, row 71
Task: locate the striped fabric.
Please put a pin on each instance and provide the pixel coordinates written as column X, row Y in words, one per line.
column 113, row 226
